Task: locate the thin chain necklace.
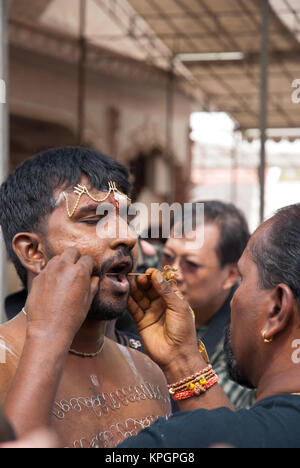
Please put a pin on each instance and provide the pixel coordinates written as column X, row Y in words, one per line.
column 78, row 353
column 88, row 355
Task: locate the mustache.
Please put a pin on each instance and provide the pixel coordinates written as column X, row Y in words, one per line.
column 122, row 253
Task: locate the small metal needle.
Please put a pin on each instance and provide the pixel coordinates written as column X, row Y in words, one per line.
column 130, row 274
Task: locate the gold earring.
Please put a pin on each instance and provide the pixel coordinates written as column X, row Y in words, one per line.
column 265, row 339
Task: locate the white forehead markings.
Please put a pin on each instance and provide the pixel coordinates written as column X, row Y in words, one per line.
column 59, row 199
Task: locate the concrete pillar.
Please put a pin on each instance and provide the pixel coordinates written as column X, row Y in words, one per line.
column 264, row 63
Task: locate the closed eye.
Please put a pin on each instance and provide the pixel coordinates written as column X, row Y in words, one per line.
column 92, row 221
column 96, row 220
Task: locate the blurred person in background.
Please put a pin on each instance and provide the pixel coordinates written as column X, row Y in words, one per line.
column 207, row 277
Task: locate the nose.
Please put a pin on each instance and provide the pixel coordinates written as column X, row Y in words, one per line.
column 125, row 236
column 180, row 277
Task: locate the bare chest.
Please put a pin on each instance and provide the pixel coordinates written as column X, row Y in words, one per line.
column 100, row 413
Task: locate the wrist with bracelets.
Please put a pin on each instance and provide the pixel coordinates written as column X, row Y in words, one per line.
column 194, row 385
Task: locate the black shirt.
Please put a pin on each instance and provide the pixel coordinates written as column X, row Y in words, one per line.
column 130, row 340
column 272, row 423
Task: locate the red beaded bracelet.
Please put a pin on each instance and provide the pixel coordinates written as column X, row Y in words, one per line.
column 190, row 378
column 202, row 379
column 196, row 391
column 194, row 385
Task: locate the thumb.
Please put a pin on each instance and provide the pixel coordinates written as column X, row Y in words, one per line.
column 94, row 286
column 170, row 294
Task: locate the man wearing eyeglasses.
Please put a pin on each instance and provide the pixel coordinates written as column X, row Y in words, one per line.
column 207, row 276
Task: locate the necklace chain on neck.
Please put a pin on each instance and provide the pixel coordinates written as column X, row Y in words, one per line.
column 88, row 355
column 78, row 353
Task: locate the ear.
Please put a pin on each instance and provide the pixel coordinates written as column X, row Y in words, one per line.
column 29, row 250
column 232, row 276
column 282, row 312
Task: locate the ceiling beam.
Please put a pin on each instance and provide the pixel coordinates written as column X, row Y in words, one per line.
column 291, row 56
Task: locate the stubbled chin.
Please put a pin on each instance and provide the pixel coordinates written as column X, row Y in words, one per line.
column 110, row 307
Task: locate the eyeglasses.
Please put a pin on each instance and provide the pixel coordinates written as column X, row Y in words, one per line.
column 186, row 266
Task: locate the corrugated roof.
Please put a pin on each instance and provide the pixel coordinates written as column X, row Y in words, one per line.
column 156, row 31
column 211, row 26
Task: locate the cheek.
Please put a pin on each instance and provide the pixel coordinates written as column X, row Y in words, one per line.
column 200, row 288
column 240, row 306
column 193, row 285
column 238, row 325
column 62, row 233
column 135, row 256
column 86, row 244
column 243, row 318
column 202, row 283
column 235, row 307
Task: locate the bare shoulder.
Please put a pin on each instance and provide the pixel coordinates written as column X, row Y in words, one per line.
column 145, row 366
column 10, row 351
column 12, row 336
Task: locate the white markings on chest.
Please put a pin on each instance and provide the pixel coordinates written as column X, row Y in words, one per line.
column 115, row 434
column 102, row 403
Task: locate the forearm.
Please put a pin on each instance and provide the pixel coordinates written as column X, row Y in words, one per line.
column 186, row 365
column 167, row 328
column 30, row 399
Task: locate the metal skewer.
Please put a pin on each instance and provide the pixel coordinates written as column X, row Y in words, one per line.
column 139, row 274
column 168, row 273
column 130, row 274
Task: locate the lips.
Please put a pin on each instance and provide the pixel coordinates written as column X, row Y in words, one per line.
column 117, row 276
column 120, row 268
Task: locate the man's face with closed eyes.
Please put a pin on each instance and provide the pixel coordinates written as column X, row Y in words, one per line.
column 115, row 256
